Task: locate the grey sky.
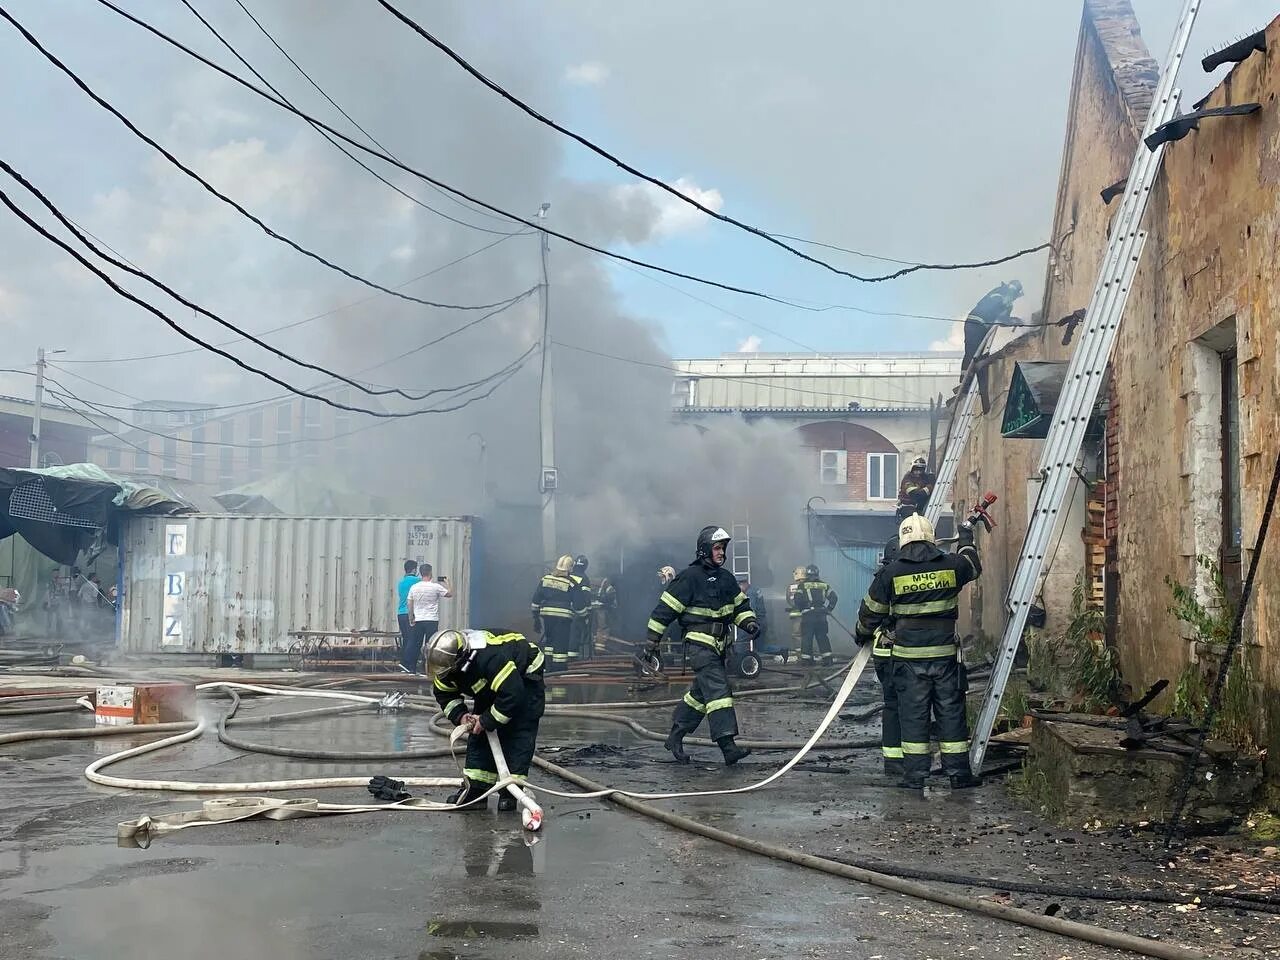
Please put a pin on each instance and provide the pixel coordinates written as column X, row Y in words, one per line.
column 919, row 130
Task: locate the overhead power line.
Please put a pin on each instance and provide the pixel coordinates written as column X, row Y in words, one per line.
column 192, row 305
column 209, row 188
column 595, row 148
column 271, row 98
column 314, row 317
column 168, row 321
column 354, row 159
column 297, row 66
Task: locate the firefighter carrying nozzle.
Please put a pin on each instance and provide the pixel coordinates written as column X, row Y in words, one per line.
column 910, row 614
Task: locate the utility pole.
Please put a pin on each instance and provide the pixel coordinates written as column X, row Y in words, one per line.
column 548, row 480
column 35, row 414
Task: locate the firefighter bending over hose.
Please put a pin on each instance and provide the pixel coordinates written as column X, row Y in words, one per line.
column 502, row 674
column 918, row 595
column 708, row 603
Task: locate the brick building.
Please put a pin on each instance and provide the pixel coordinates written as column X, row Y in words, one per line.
column 218, row 447
column 1191, row 414
column 64, row 433
column 862, row 417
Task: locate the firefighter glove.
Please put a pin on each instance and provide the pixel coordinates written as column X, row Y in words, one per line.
column 386, row 789
column 537, row 625
column 965, row 536
column 861, row 638
column 751, row 628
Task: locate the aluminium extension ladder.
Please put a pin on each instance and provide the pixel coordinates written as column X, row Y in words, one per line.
column 1084, row 379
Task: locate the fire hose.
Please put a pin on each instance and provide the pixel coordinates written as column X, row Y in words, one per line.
column 224, row 810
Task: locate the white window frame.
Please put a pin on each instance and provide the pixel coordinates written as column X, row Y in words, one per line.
column 888, row 479
column 842, row 458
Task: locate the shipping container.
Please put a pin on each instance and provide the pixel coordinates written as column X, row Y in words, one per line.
column 207, row 584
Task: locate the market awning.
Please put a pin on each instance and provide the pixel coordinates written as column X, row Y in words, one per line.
column 1032, row 399
column 67, row 511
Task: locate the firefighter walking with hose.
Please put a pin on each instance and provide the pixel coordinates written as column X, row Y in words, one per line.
column 918, row 593
column 708, row 603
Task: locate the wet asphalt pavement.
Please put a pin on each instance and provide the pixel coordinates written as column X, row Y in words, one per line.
column 599, row 881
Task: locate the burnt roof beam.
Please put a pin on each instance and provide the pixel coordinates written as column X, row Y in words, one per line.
column 1236, row 52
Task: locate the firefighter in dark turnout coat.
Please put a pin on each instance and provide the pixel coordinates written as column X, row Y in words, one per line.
column 890, row 728
column 918, row 593
column 708, row 603
column 557, row 604
column 814, row 599
column 502, row 674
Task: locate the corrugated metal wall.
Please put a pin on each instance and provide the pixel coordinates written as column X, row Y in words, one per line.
column 849, row 571
column 240, row 584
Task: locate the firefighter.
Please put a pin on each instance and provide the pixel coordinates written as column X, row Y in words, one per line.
column 708, row 603
column 795, row 612
column 882, row 650
column 917, row 486
column 815, row 600
column 919, row 594
column 502, row 674
column 995, row 308
column 605, row 608
column 584, row 623
column 556, row 605
column 891, row 545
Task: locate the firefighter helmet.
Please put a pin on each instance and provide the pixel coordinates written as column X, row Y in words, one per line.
column 797, row 574
column 580, row 563
column 916, row 529
column 709, row 537
column 442, row 653
column 564, row 564
column 919, row 462
column 811, row 572
column 666, row 574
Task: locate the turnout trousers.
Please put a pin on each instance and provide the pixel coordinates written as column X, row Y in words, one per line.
column 710, row 696
column 814, row 633
column 519, row 738
column 558, row 641
column 931, row 689
column 890, row 727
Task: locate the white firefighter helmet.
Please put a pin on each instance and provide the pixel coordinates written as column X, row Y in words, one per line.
column 915, row 529
column 666, row 574
column 920, row 462
column 797, row 574
column 447, row 645
column 564, row 564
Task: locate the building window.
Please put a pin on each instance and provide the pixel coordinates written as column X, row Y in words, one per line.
column 833, row 467
column 1231, row 522
column 176, row 419
column 141, row 458
column 228, row 432
column 170, row 465
column 342, row 423
column 310, row 430
column 284, row 432
column 198, row 451
column 113, row 458
column 226, row 469
column 682, row 392
column 882, row 476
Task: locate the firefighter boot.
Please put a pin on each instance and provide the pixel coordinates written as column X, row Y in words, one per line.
column 466, row 793
column 506, row 802
column 732, row 752
column 893, row 769
column 675, row 743
column 963, row 781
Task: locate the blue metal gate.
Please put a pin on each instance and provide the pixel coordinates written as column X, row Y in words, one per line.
column 849, row 571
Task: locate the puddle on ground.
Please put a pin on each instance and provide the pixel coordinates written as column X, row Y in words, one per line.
column 482, row 929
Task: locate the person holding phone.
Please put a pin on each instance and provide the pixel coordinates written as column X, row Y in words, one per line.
column 424, row 615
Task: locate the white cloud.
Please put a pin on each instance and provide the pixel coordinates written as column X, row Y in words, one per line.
column 672, row 215
column 750, row 345
column 953, row 341
column 592, row 73
column 403, row 253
